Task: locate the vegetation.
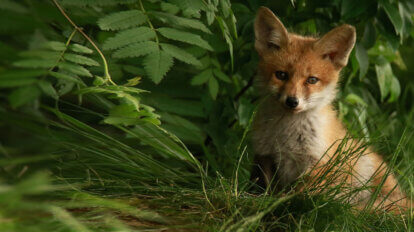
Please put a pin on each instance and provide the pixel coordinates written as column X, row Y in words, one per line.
column 132, row 115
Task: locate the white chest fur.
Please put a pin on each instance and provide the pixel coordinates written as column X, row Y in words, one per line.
column 294, row 141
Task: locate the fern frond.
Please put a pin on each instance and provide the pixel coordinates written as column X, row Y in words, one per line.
column 35, row 63
column 184, row 22
column 66, row 77
column 157, row 64
column 75, row 69
column 180, row 54
column 78, row 59
column 124, row 38
column 122, row 20
column 80, row 49
column 54, row 45
column 185, row 37
column 95, row 2
column 137, row 49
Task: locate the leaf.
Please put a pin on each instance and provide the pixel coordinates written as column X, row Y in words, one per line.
column 133, row 81
column 355, row 99
column 202, row 77
column 35, row 63
column 23, row 95
column 126, row 37
column 184, row 22
column 185, row 37
column 369, row 37
column 66, row 77
column 395, row 90
column 75, row 68
column 12, row 6
column 136, row 50
column 363, row 60
column 394, row 16
column 222, row 76
column 18, row 78
column 95, row 2
column 78, row 59
column 384, row 78
column 157, row 65
column 48, row 89
column 55, row 46
column 195, row 5
column 180, row 54
column 44, row 55
column 80, row 49
column 170, row 8
column 122, row 20
column 123, row 115
column 213, row 87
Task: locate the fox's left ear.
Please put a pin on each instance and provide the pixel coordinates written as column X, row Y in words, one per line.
column 337, row 44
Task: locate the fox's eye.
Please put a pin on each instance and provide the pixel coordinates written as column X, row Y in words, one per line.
column 312, row 80
column 282, row 75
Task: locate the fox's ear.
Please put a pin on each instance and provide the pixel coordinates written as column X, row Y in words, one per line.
column 269, row 31
column 337, row 44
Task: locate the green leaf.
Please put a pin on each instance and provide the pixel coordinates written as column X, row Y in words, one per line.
column 66, row 77
column 157, row 65
column 180, row 21
column 202, row 77
column 44, row 55
column 195, row 5
column 35, row 63
column 136, row 50
column 384, row 78
column 122, row 20
column 55, row 46
column 23, row 95
column 78, row 59
column 355, row 100
column 370, row 35
column 213, row 87
column 18, row 78
column 185, row 37
column 48, row 89
column 394, row 16
column 80, row 49
column 127, row 37
column 222, row 76
column 170, row 8
column 95, row 2
column 395, row 90
column 123, row 115
column 363, row 60
column 12, row 6
column 180, row 54
column 75, row 68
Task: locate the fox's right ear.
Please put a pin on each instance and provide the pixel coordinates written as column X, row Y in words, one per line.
column 269, row 31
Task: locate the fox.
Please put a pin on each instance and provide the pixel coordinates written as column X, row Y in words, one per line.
column 296, row 131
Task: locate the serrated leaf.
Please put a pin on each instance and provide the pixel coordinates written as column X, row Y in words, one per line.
column 220, row 75
column 136, row 50
column 170, row 8
column 35, row 63
column 55, row 46
column 195, row 5
column 185, row 37
column 180, row 54
column 79, row 59
column 157, row 64
column 213, row 87
column 127, row 37
column 202, row 77
column 122, row 20
column 48, row 89
column 363, row 60
column 23, row 95
column 75, row 68
column 63, row 76
column 184, row 22
column 46, row 55
column 80, row 49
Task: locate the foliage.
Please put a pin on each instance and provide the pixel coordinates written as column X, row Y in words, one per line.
column 122, row 115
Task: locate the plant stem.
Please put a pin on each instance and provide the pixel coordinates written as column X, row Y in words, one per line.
column 149, row 22
column 106, row 69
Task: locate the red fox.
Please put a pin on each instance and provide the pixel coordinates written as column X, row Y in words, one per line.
column 296, row 131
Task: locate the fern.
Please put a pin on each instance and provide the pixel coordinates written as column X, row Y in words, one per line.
column 136, row 49
column 75, row 69
column 80, row 49
column 129, row 36
column 80, row 59
column 180, row 54
column 66, row 77
column 122, row 20
column 184, row 22
column 157, row 65
column 185, row 37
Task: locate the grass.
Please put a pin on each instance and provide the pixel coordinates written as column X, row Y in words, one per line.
column 64, row 175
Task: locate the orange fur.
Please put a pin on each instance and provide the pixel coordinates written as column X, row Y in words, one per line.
column 290, row 143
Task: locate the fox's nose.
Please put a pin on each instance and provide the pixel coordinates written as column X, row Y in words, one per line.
column 292, row 102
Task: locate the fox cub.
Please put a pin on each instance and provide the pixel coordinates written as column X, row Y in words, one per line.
column 296, row 131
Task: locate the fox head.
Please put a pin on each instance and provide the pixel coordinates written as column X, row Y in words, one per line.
column 300, row 72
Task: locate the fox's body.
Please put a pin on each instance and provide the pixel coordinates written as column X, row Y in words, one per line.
column 296, row 130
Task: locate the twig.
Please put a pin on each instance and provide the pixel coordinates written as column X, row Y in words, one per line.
column 107, row 75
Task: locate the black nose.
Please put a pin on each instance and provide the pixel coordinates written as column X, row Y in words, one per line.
column 292, row 102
